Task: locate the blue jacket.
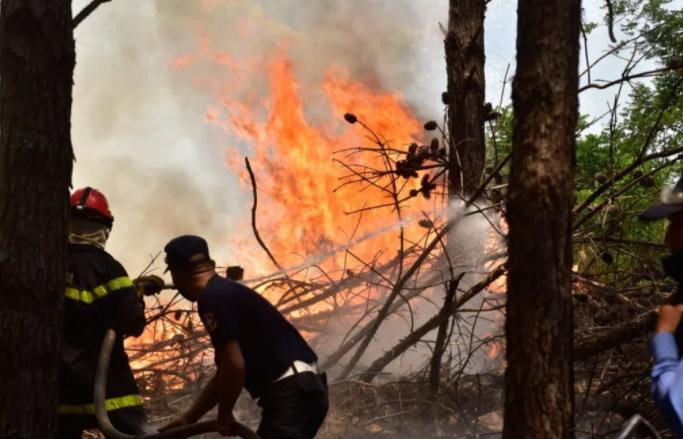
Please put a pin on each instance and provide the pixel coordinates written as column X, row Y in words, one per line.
column 667, row 380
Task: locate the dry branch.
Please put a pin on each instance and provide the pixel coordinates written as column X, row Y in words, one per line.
column 441, row 337
column 627, row 331
column 379, row 364
column 610, row 20
column 253, row 216
column 87, row 10
column 627, row 78
column 384, row 312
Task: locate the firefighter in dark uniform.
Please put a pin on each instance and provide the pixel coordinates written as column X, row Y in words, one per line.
column 99, row 295
column 255, row 348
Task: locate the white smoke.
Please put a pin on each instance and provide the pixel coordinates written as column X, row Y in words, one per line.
column 138, row 125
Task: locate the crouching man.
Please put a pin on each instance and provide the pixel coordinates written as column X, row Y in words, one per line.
column 255, row 348
column 667, row 371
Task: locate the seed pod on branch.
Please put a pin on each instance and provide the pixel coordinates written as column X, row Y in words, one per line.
column 431, row 125
column 424, row 154
column 350, row 118
column 425, row 223
column 426, row 186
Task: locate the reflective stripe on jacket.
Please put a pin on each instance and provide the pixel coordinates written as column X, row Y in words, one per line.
column 99, row 295
column 109, row 404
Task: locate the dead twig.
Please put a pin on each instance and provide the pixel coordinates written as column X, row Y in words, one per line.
column 86, row 11
column 253, row 216
column 610, row 20
column 378, row 365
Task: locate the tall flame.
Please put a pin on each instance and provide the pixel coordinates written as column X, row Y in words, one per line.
column 300, row 213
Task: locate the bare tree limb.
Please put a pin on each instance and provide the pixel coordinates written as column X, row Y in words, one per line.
column 627, row 331
column 622, row 191
column 378, row 365
column 626, row 78
column 333, row 358
column 440, row 343
column 384, row 312
column 253, row 216
column 642, row 158
column 610, row 20
column 86, row 11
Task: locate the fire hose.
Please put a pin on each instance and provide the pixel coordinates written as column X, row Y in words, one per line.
column 111, row 432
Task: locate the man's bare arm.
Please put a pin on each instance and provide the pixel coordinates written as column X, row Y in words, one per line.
column 230, row 378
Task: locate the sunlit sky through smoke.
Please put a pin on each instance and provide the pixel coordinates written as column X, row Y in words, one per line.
column 139, row 129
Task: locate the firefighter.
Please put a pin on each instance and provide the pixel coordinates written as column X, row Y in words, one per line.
column 99, row 295
column 667, row 371
column 255, row 348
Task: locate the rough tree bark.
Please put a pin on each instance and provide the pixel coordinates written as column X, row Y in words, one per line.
column 36, row 68
column 539, row 378
column 465, row 94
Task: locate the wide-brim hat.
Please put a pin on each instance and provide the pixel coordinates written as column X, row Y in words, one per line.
column 671, row 201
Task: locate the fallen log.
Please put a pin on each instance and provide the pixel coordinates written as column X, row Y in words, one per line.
column 623, row 333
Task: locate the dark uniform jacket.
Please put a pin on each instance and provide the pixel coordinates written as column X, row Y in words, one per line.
column 99, row 295
column 269, row 343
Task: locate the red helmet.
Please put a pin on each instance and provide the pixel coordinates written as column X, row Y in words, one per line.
column 91, row 204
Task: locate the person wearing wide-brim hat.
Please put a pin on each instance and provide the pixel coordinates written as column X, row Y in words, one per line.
column 667, row 371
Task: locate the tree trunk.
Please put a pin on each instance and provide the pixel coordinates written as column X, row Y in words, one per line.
column 539, row 378
column 36, row 70
column 465, row 94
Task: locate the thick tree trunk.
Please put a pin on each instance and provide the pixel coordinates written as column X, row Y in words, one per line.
column 465, row 94
column 539, row 378
column 36, row 69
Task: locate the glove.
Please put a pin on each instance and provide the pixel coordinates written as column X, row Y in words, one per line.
column 149, row 285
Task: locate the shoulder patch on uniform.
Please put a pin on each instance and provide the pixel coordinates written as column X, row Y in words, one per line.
column 210, row 321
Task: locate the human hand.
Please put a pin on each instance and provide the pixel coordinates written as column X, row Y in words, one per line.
column 149, row 285
column 669, row 317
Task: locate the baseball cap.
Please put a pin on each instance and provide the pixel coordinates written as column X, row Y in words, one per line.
column 671, row 202
column 186, row 251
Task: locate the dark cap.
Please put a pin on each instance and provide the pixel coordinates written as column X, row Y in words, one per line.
column 186, row 251
column 671, row 202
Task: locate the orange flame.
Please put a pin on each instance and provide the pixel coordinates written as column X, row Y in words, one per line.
column 300, row 214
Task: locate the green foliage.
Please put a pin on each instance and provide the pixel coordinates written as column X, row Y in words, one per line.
column 650, row 120
column 658, row 22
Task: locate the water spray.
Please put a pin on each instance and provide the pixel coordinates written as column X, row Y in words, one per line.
column 455, row 211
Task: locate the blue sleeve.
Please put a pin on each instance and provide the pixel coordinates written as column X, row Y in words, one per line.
column 667, row 380
column 220, row 320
